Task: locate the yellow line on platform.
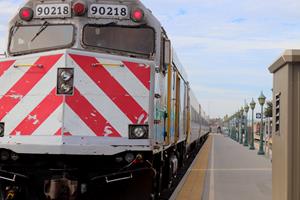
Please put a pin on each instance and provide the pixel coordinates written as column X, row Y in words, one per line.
column 193, row 187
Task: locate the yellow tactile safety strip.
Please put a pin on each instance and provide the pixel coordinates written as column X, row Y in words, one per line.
column 194, row 185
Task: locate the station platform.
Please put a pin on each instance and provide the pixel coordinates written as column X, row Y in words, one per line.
column 226, row 170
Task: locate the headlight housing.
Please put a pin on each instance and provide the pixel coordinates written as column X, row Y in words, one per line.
column 1, row 129
column 138, row 131
column 65, row 81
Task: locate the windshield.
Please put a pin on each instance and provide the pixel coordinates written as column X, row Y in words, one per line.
column 38, row 38
column 137, row 40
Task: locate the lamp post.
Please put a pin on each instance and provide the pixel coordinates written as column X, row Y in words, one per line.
column 233, row 128
column 241, row 125
column 262, row 101
column 230, row 128
column 252, row 106
column 246, row 108
column 237, row 132
column 235, row 136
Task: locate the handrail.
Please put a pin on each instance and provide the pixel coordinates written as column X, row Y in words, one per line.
column 29, row 65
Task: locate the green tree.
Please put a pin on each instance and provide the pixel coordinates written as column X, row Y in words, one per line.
column 269, row 109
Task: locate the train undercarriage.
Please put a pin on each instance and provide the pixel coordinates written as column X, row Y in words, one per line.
column 49, row 177
column 130, row 175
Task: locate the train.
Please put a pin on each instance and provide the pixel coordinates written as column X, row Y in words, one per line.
column 94, row 103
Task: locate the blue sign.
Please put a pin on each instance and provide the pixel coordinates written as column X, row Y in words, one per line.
column 258, row 115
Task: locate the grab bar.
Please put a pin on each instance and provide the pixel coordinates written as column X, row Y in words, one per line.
column 118, row 179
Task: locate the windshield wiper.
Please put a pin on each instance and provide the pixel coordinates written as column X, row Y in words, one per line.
column 42, row 28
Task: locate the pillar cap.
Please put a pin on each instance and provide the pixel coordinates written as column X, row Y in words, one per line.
column 290, row 55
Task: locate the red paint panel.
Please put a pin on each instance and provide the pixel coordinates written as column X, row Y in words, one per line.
column 67, row 134
column 112, row 88
column 59, row 133
column 5, row 66
column 89, row 114
column 141, row 71
column 39, row 114
column 26, row 83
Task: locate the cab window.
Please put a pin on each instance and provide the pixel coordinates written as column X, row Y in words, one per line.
column 28, row 39
column 135, row 40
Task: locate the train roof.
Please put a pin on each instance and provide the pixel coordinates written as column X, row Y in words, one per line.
column 150, row 18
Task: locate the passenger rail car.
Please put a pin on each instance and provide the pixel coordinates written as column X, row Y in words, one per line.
column 92, row 98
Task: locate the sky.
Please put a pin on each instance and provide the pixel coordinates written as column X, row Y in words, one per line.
column 226, row 46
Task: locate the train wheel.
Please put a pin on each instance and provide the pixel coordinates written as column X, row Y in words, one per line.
column 158, row 180
column 157, row 185
column 170, row 179
column 2, row 192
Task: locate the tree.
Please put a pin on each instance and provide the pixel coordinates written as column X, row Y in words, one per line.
column 269, row 109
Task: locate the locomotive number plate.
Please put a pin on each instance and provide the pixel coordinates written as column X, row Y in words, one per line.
column 108, row 11
column 53, row 11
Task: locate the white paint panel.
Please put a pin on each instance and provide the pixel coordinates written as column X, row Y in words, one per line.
column 51, row 125
column 74, row 125
column 32, row 99
column 104, row 105
column 13, row 75
column 129, row 82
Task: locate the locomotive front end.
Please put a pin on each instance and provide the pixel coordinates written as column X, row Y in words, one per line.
column 75, row 100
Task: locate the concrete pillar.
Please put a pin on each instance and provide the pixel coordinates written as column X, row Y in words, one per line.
column 286, row 126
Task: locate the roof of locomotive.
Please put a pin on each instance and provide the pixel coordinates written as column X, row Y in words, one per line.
column 80, row 21
column 150, row 19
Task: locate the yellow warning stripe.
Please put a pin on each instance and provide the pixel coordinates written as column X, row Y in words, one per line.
column 194, row 186
column 107, row 65
column 169, row 105
column 188, row 118
column 177, row 107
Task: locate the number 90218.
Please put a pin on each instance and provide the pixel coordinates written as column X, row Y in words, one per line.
column 109, row 11
column 53, row 10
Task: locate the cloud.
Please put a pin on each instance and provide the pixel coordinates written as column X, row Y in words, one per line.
column 2, row 44
column 217, row 44
column 2, row 28
column 238, row 20
column 181, row 12
column 8, row 8
column 218, row 102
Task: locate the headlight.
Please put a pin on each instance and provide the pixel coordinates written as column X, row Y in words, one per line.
column 129, row 157
column 14, row 156
column 138, row 132
column 65, row 88
column 4, row 155
column 66, row 76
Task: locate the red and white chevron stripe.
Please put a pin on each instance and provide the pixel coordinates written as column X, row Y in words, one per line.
column 105, row 101
column 29, row 96
column 109, row 98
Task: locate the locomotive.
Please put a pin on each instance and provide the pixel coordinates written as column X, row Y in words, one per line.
column 94, row 103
